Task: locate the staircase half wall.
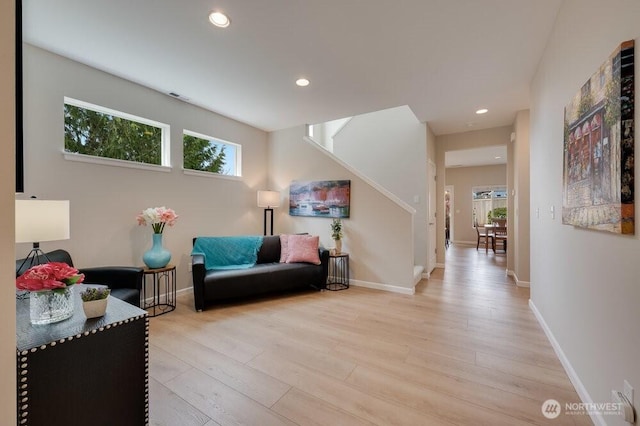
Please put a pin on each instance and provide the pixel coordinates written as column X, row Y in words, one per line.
column 379, row 234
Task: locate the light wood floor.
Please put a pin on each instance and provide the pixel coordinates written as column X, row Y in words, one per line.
column 465, row 350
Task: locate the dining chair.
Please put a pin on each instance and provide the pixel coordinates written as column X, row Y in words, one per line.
column 483, row 237
column 500, row 235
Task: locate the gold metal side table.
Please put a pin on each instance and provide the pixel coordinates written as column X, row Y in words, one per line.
column 159, row 290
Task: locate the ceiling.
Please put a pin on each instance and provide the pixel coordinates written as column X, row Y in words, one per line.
column 443, row 58
column 486, row 156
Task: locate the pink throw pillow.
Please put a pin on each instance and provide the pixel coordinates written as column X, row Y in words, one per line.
column 303, row 248
column 284, row 248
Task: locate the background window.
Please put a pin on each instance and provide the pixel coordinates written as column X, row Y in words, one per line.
column 485, row 199
column 207, row 154
column 102, row 132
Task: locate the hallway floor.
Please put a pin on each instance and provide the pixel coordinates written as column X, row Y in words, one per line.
column 464, row 350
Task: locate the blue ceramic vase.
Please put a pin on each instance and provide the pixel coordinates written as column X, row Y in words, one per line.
column 157, row 256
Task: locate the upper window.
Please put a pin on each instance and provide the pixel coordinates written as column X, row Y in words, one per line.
column 101, row 132
column 207, row 154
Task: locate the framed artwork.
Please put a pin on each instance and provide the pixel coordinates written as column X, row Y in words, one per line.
column 326, row 198
column 598, row 178
column 19, row 113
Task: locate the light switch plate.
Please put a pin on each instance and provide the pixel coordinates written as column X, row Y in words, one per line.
column 628, row 391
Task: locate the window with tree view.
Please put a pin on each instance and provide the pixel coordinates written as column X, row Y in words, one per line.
column 207, row 154
column 101, row 132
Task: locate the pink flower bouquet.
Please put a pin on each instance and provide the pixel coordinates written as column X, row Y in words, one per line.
column 49, row 276
column 158, row 217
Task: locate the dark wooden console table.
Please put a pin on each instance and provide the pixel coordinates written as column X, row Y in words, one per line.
column 84, row 372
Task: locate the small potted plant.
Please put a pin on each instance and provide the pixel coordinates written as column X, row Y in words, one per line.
column 94, row 301
column 336, row 234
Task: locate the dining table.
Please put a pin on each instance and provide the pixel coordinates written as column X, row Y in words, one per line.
column 490, row 230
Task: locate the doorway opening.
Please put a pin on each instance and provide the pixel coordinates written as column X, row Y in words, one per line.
column 448, row 217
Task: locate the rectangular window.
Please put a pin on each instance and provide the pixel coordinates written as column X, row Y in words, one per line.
column 208, row 154
column 485, row 199
column 102, row 132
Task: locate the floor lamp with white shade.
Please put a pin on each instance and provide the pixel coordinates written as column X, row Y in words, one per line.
column 268, row 200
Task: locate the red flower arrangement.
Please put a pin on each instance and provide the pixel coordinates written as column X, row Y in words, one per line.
column 49, row 276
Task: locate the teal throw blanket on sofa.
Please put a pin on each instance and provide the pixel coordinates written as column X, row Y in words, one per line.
column 228, row 252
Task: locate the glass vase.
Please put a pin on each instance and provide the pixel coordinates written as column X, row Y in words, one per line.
column 49, row 306
column 157, row 257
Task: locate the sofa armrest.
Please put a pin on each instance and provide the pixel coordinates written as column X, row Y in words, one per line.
column 114, row 276
column 324, row 260
column 197, row 273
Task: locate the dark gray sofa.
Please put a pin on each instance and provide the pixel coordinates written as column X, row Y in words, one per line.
column 266, row 276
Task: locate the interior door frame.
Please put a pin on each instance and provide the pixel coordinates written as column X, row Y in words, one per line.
column 451, row 210
column 432, row 222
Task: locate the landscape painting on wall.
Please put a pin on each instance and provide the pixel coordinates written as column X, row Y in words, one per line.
column 599, row 148
column 326, row 198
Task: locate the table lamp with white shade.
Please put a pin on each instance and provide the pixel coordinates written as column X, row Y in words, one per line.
column 38, row 221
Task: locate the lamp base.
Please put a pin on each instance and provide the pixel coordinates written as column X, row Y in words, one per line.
column 32, row 259
column 265, row 220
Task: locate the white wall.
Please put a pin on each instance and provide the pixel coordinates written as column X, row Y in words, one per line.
column 389, row 147
column 519, row 194
column 585, row 284
column 7, row 209
column 325, row 132
column 378, row 235
column 106, row 199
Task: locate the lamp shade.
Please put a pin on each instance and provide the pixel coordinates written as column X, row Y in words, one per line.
column 268, row 199
column 42, row 220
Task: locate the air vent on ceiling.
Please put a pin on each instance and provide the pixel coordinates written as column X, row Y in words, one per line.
column 178, row 96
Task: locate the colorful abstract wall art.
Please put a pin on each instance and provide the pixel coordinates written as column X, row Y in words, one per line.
column 327, row 198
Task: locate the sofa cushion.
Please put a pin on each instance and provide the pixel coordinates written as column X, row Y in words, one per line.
column 260, row 279
column 270, row 250
column 303, row 248
column 284, row 248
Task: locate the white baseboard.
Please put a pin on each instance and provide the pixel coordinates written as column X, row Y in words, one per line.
column 184, row 290
column 417, row 274
column 465, row 243
column 385, row 287
column 440, row 265
column 597, row 418
column 356, row 283
column 426, row 275
column 162, row 295
column 519, row 282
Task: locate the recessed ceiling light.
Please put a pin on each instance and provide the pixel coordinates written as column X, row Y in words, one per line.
column 219, row 19
column 482, row 111
column 302, row 82
column 497, row 157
